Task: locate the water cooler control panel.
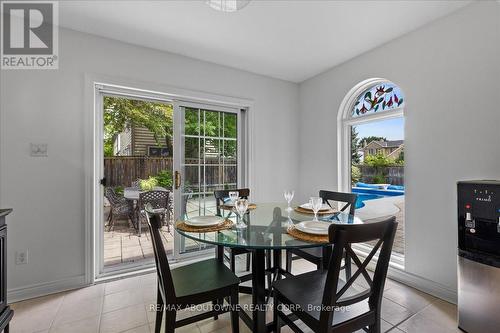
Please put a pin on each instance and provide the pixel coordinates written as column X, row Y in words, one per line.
column 479, row 216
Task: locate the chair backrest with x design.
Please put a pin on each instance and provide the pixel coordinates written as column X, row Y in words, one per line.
column 343, row 236
column 165, row 281
column 348, row 198
column 220, row 195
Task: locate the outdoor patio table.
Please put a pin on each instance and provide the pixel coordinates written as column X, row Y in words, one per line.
column 132, row 194
column 266, row 230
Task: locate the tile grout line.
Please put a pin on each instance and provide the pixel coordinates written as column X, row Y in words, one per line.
column 413, row 315
column 102, row 309
column 57, row 312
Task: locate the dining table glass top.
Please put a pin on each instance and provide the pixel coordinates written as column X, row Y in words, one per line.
column 267, row 226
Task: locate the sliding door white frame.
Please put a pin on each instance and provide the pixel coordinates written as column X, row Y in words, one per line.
column 98, row 85
column 241, row 140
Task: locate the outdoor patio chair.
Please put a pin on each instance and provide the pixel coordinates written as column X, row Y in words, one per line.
column 159, row 201
column 190, row 285
column 120, row 207
column 324, row 301
column 315, row 254
column 136, row 183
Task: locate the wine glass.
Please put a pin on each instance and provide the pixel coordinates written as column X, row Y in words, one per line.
column 233, row 196
column 289, row 222
column 316, row 204
column 241, row 207
column 288, row 197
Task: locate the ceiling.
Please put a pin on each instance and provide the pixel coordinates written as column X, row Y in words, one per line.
column 289, row 39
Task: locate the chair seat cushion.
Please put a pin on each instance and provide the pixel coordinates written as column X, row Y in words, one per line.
column 202, row 277
column 306, row 291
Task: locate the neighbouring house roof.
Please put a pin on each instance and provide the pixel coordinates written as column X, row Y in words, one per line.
column 394, row 143
column 396, row 152
column 386, row 144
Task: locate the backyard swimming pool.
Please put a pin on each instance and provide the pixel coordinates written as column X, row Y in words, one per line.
column 364, row 197
column 367, row 192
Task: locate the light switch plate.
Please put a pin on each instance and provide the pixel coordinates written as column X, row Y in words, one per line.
column 38, row 149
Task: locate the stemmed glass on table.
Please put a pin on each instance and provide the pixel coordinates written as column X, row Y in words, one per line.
column 241, row 207
column 288, row 197
column 316, row 204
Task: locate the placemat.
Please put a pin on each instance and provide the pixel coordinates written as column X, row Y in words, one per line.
column 181, row 225
column 228, row 207
column 310, row 212
column 294, row 232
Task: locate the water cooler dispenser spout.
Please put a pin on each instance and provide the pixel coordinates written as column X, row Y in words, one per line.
column 469, row 222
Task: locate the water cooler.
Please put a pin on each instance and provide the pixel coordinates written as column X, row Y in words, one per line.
column 479, row 256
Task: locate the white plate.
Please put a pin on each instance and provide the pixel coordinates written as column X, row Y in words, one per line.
column 309, row 207
column 313, row 227
column 204, row 221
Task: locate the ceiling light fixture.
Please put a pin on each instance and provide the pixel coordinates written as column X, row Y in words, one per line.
column 227, row 5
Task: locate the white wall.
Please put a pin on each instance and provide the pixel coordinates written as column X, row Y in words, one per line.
column 47, row 194
column 450, row 73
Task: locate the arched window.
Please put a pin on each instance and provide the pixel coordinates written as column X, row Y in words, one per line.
column 371, row 151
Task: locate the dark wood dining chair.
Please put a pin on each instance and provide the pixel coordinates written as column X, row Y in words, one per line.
column 315, row 254
column 190, row 285
column 325, row 302
column 220, row 197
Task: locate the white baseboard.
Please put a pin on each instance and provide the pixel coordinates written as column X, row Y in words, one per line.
column 427, row 286
column 45, row 288
column 396, row 272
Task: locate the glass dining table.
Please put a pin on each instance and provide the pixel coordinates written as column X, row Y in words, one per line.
column 266, row 231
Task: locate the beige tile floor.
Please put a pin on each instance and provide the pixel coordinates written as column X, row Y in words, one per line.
column 124, row 306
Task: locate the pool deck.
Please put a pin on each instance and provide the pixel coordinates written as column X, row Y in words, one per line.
column 385, row 207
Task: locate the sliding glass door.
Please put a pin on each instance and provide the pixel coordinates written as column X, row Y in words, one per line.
column 147, row 142
column 209, row 142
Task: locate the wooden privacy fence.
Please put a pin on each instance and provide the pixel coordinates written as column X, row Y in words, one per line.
column 393, row 174
column 123, row 170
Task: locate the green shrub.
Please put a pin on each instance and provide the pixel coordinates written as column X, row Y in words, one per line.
column 165, row 179
column 119, row 190
column 377, row 161
column 148, row 184
column 401, row 159
column 379, row 179
column 355, row 174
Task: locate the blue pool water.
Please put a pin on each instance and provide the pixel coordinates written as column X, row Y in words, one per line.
column 367, row 192
column 364, row 197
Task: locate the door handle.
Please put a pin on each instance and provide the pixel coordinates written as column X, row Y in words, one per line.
column 177, row 180
column 103, row 181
